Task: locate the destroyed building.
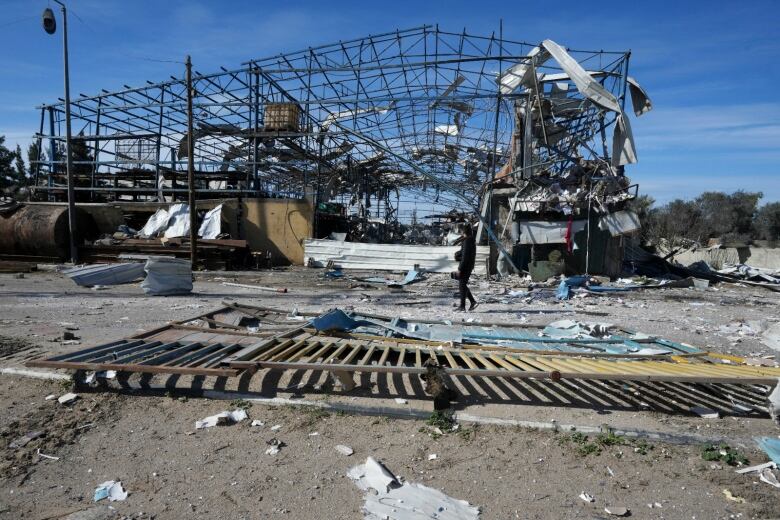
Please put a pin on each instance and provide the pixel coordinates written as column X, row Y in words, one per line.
column 392, row 138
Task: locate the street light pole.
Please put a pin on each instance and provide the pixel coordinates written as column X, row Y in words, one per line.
column 74, row 253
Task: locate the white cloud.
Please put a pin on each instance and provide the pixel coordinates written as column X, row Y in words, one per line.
column 736, row 129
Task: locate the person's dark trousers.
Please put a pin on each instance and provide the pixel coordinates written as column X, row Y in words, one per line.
column 465, row 292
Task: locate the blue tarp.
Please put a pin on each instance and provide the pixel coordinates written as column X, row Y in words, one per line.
column 770, row 445
column 334, row 319
column 564, row 289
column 411, row 276
column 338, row 320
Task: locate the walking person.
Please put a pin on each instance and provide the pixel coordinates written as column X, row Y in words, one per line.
column 467, row 256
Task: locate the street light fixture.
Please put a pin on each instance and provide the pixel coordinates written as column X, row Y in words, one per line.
column 50, row 26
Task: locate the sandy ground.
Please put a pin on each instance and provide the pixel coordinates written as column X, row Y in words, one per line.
column 148, row 444
column 145, row 441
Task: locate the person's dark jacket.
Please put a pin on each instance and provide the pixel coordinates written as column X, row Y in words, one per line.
column 468, row 255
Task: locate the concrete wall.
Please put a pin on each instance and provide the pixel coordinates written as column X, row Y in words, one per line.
column 764, row 257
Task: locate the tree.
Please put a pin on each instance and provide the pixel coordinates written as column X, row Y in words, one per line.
column 82, row 159
column 728, row 216
column 767, row 222
column 21, row 170
column 34, row 156
column 7, row 172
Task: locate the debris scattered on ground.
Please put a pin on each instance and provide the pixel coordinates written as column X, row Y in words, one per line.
column 256, row 287
column 705, row 413
column 25, row 439
column 576, row 330
column 757, row 468
column 257, row 422
column 771, row 446
column 102, row 374
column 616, row 511
column 167, row 276
column 43, row 455
column 67, row 398
column 275, row 446
column 768, row 476
column 111, row 490
column 586, row 497
column 105, row 274
column 221, row 419
column 396, row 501
column 344, row 450
column 773, row 403
column 730, row 496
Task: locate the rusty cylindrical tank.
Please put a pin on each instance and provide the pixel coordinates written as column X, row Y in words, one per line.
column 42, row 230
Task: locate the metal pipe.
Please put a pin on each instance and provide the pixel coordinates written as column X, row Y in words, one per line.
column 191, row 167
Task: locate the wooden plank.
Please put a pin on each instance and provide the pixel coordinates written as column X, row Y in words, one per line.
column 383, row 357
column 401, row 356
column 369, row 353
column 305, row 350
column 536, row 374
column 466, row 359
column 320, row 352
column 355, row 351
column 334, row 356
column 450, row 359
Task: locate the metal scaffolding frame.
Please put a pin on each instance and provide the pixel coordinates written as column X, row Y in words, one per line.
column 417, row 113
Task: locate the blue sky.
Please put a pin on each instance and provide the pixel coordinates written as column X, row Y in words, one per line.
column 709, row 67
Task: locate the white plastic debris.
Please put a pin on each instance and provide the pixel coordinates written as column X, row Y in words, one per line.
column 111, row 490
column 221, row 419
column 756, row 468
column 399, row 400
column 344, row 450
column 771, row 337
column 275, row 427
column 586, row 497
column 44, row 456
column 156, row 223
column 50, row 397
column 394, row 501
column 616, row 511
column 768, row 476
column 178, row 221
column 103, row 374
column 773, row 403
column 257, row 422
column 275, row 445
column 372, row 475
column 211, row 226
column 705, row 413
column 433, row 456
column 68, row 398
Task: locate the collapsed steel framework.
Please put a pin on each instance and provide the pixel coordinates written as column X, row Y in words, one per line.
column 422, row 112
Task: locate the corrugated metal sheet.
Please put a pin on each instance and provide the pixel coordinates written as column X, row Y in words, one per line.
column 543, row 232
column 105, row 274
column 620, row 223
column 388, row 257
